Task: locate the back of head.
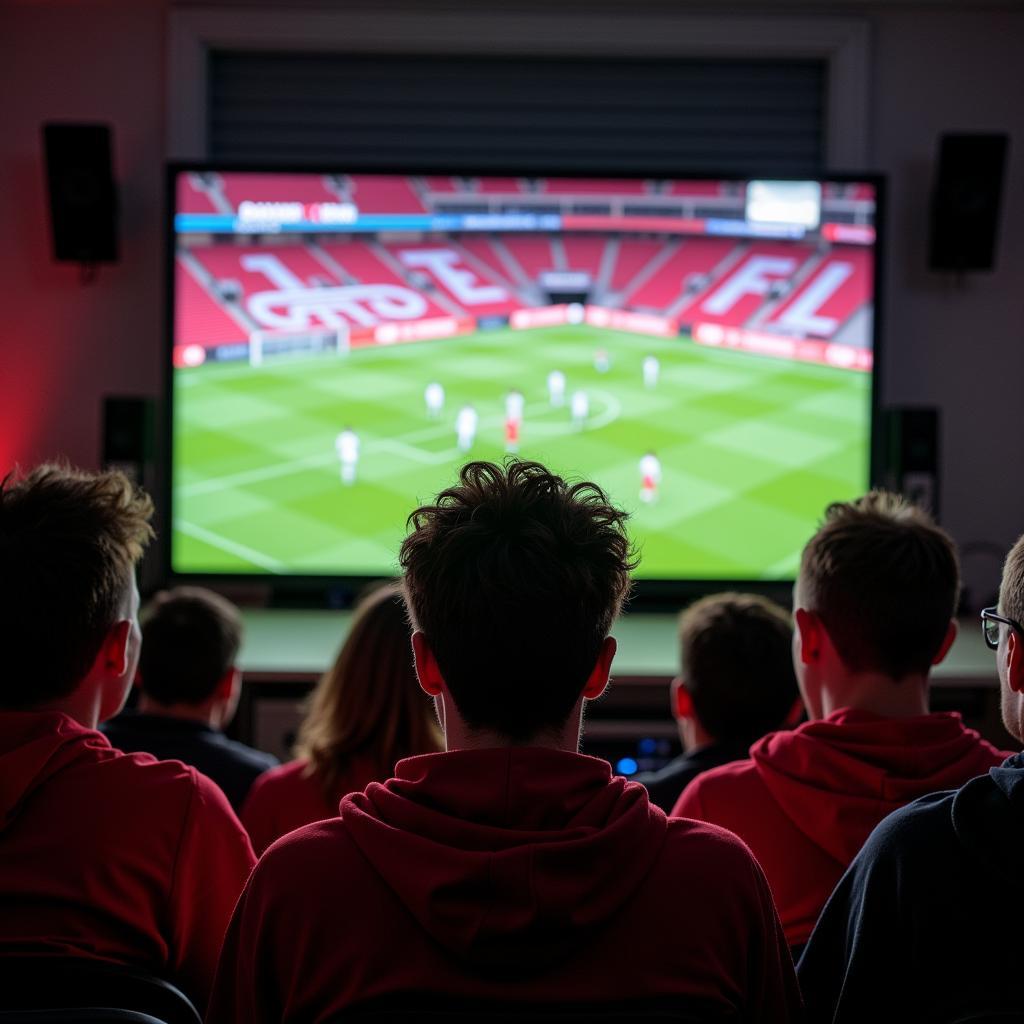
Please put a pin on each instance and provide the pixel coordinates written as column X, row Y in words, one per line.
column 190, row 640
column 738, row 665
column 884, row 580
column 1011, row 589
column 515, row 577
column 69, row 543
column 369, row 704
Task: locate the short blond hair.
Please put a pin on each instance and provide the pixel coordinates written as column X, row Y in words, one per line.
column 1011, row 588
column 69, row 543
column 885, row 581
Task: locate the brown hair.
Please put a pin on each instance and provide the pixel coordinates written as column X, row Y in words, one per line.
column 515, row 577
column 1011, row 588
column 737, row 664
column 369, row 703
column 69, row 543
column 884, row 580
column 190, row 639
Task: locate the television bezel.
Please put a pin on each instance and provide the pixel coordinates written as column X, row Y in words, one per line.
column 341, row 589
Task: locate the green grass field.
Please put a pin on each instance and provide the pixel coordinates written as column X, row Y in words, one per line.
column 752, row 449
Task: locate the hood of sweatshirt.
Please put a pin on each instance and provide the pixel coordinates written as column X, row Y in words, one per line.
column 507, row 857
column 836, row 778
column 34, row 747
column 988, row 819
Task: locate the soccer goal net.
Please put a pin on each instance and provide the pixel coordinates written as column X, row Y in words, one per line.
column 267, row 345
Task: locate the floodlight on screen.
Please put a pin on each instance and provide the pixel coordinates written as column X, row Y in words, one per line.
column 342, row 343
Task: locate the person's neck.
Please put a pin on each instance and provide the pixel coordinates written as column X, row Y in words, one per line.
column 880, row 695
column 459, row 736
column 694, row 736
column 206, row 713
column 84, row 706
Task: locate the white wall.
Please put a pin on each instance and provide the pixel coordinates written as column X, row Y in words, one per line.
column 956, row 345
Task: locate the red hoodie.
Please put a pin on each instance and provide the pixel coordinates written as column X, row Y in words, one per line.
column 114, row 856
column 513, row 875
column 806, row 800
column 288, row 797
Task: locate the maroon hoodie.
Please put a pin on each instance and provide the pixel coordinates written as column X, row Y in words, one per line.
column 513, row 875
column 113, row 856
column 806, row 800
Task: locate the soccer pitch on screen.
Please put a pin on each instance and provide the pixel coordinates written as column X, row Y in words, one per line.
column 751, row 449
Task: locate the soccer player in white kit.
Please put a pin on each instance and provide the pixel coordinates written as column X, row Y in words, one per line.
column 434, row 397
column 465, row 427
column 651, row 370
column 601, row 361
column 346, row 444
column 556, row 387
column 580, row 408
column 514, row 403
column 650, row 477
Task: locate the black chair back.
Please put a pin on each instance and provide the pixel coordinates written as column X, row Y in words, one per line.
column 76, row 984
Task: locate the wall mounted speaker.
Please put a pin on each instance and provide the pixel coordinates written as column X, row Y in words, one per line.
column 129, row 436
column 83, row 194
column 966, row 198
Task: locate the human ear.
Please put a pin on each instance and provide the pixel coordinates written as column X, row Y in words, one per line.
column 427, row 670
column 598, row 680
column 682, row 702
column 809, row 630
column 947, row 642
column 116, row 652
column 1014, row 661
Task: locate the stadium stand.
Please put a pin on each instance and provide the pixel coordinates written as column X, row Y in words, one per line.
column 480, row 248
column 499, row 186
column 276, row 188
column 695, row 188
column 532, row 253
column 839, row 296
column 584, row 252
column 363, row 265
column 441, row 183
column 200, row 319
column 666, row 284
column 500, row 302
column 592, row 186
column 733, row 298
column 634, row 254
column 384, row 194
column 192, row 199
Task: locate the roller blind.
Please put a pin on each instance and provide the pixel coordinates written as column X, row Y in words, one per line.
column 756, row 116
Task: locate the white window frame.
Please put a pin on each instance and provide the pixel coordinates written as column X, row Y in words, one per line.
column 842, row 43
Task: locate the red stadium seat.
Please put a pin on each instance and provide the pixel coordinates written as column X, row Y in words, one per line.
column 694, row 256
column 837, row 288
column 199, row 318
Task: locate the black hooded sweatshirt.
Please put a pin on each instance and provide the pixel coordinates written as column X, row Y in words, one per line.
column 926, row 924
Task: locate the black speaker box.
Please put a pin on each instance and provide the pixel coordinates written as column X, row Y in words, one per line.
column 83, row 195
column 965, row 201
column 912, row 443
column 129, row 435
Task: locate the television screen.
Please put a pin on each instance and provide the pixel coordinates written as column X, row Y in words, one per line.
column 342, row 343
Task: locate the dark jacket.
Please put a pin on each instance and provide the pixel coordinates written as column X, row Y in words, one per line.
column 665, row 785
column 926, row 924
column 232, row 765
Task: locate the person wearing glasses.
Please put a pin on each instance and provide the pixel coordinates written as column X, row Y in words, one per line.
column 873, row 612
column 929, row 912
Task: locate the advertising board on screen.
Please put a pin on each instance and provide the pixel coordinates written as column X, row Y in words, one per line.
column 342, row 343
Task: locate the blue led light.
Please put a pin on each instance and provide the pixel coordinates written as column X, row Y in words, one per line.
column 647, row 746
column 626, row 766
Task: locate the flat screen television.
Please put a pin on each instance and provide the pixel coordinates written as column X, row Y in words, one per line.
column 342, row 341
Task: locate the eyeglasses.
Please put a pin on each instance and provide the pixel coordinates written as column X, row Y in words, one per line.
column 990, row 623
